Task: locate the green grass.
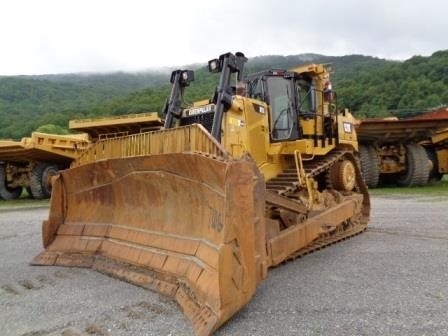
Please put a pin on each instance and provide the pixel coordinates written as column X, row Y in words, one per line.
column 23, row 202
column 432, row 189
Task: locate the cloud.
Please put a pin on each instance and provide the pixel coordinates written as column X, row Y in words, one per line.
column 50, row 36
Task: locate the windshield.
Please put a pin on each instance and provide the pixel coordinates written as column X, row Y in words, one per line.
column 305, row 94
column 280, row 101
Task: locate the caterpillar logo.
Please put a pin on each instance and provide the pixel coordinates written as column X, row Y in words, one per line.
column 199, row 110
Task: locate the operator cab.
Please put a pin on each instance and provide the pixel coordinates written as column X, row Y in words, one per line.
column 290, row 95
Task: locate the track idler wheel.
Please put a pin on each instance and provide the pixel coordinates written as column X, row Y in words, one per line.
column 342, row 176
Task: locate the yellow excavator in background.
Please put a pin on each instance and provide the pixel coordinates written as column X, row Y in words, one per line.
column 265, row 171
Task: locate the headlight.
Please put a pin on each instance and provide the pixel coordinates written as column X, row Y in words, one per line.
column 187, row 76
column 213, row 65
column 184, row 77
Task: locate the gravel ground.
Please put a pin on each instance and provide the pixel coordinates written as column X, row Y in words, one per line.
column 390, row 280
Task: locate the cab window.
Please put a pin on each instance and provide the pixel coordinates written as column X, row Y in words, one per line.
column 306, row 97
column 280, row 102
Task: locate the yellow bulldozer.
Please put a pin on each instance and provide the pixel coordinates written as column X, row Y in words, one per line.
column 263, row 172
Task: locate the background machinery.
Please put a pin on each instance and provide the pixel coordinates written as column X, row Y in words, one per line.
column 31, row 162
column 437, row 149
column 404, row 152
column 116, row 126
column 264, row 171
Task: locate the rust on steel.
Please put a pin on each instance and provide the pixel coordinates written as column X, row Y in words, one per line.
column 206, row 257
column 186, row 220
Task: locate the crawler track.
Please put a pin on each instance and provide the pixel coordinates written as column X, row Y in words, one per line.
column 330, row 240
column 287, row 182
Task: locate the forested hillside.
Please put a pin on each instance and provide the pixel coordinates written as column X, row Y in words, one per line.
column 396, row 88
column 27, row 102
column 368, row 86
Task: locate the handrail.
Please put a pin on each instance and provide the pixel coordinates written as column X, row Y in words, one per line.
column 191, row 138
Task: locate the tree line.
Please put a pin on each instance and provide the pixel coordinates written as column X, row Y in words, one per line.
column 369, row 86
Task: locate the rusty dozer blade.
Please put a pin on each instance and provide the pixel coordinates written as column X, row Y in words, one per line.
column 186, row 225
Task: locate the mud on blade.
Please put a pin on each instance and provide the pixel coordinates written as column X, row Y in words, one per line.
column 186, row 225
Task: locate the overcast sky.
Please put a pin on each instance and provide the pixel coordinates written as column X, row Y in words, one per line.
column 65, row 36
